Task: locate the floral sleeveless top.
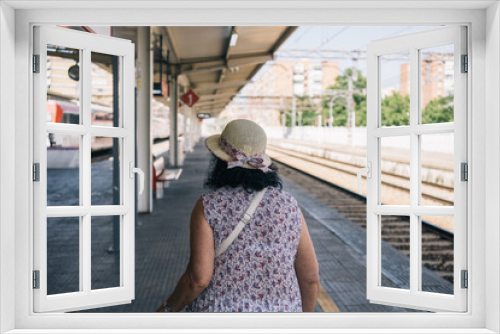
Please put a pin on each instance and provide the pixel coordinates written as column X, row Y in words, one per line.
column 256, row 273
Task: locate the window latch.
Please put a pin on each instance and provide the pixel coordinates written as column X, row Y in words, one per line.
column 138, row 171
column 368, row 171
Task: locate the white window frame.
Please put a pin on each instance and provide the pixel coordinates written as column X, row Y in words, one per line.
column 484, row 213
column 414, row 297
column 85, row 298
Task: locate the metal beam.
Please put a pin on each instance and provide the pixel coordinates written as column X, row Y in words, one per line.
column 216, row 96
column 288, row 32
column 258, row 58
column 240, row 60
column 210, row 86
column 171, row 45
column 210, row 103
column 203, row 70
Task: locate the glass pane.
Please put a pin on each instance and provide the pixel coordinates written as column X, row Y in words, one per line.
column 105, row 252
column 437, row 169
column 395, row 251
column 106, row 171
column 105, row 89
column 63, row 255
column 437, row 255
column 438, row 80
column 395, row 89
column 395, row 170
column 63, row 169
column 63, row 85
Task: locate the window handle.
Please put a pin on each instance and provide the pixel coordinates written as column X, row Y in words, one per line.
column 138, row 171
column 368, row 171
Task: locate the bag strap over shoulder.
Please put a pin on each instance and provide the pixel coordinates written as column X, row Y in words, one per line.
column 243, row 221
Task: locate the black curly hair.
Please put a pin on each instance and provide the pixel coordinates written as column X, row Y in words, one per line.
column 250, row 179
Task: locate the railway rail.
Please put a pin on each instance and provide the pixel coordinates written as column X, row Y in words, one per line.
column 437, row 242
column 439, row 194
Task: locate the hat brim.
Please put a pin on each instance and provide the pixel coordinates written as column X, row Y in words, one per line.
column 212, row 144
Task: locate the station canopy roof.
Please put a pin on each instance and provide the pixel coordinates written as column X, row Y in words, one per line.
column 215, row 61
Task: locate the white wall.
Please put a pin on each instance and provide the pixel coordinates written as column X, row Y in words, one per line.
column 7, row 164
column 341, row 136
column 492, row 166
column 193, row 16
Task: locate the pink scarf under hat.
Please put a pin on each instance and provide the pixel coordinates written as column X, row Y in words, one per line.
column 256, row 160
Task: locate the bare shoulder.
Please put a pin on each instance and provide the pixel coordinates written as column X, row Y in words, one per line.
column 198, row 214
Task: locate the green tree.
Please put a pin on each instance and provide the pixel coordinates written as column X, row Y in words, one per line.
column 438, row 110
column 339, row 109
column 395, row 110
column 308, row 109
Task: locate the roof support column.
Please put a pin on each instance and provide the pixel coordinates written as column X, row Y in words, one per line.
column 143, row 138
column 188, row 129
column 194, row 129
column 173, row 154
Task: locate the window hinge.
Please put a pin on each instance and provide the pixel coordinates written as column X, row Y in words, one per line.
column 36, row 172
column 36, row 279
column 464, row 175
column 465, row 279
column 36, row 63
column 465, row 64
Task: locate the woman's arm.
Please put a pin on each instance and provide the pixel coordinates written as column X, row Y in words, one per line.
column 200, row 268
column 307, row 269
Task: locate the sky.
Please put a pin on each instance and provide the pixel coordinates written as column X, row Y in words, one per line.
column 347, row 38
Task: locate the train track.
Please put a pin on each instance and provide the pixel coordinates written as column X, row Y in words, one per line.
column 437, row 243
column 438, row 194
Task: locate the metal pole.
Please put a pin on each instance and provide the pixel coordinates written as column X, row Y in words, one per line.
column 294, row 110
column 186, row 130
column 116, row 154
column 330, row 123
column 144, row 140
column 300, row 118
column 174, row 128
column 350, row 110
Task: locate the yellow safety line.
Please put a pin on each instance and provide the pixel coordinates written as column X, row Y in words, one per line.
column 325, row 301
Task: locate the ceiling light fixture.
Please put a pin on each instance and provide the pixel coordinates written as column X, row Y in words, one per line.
column 234, row 39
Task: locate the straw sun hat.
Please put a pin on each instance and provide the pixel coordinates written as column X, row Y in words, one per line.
column 242, row 143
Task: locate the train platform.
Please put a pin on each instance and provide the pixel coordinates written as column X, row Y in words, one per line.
column 162, row 248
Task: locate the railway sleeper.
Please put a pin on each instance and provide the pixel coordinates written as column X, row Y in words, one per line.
column 431, row 256
column 441, row 267
column 444, row 245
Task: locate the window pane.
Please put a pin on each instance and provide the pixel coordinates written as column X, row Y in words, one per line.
column 63, row 169
column 63, row 85
column 395, row 170
column 437, row 255
column 437, row 169
column 106, row 179
column 395, row 89
column 105, row 252
column 395, row 251
column 438, row 80
column 105, row 89
column 63, row 255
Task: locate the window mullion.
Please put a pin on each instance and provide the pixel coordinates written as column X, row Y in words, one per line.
column 414, row 172
column 85, row 180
